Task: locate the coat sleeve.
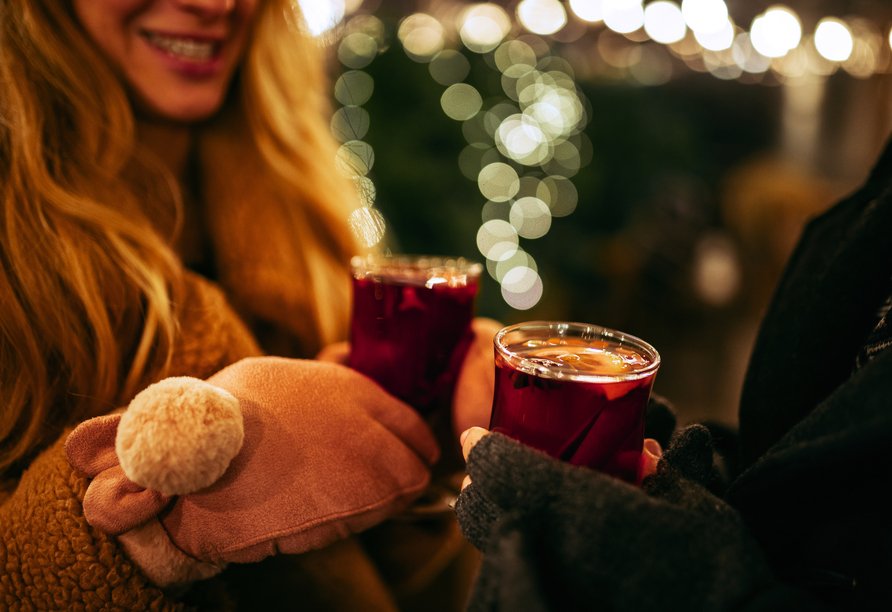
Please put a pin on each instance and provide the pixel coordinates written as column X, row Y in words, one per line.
column 557, row 537
column 51, row 559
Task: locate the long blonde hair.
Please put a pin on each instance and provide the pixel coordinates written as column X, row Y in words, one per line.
column 87, row 294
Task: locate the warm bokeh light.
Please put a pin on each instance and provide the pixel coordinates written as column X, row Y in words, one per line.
column 520, row 138
column 498, row 182
column 833, row 39
column 664, row 22
column 522, row 288
column 623, row 16
column 355, row 158
column 368, row 225
column 588, row 10
column 497, row 239
column 357, row 50
column 321, row 16
column 747, row 57
column 705, row 15
column 449, row 67
column 717, row 270
column 559, row 193
column 719, row 40
column 775, row 32
column 422, row 36
column 482, row 27
column 531, row 217
column 461, row 101
column 354, row 88
column 541, row 16
column 867, row 50
column 349, row 123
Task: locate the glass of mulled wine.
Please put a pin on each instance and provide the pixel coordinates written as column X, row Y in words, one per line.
column 411, row 323
column 578, row 392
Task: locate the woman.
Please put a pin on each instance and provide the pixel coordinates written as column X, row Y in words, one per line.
column 804, row 526
column 170, row 206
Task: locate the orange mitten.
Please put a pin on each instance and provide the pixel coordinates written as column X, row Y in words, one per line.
column 268, row 455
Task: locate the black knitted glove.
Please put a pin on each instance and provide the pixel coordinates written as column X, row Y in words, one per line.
column 571, row 538
column 660, row 423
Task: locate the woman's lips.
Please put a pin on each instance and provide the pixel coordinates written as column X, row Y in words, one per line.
column 193, row 56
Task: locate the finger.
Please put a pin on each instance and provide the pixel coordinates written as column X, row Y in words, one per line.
column 653, row 447
column 650, row 457
column 465, row 482
column 469, row 438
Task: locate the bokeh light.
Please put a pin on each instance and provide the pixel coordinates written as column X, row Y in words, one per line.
column 588, row 10
column 422, row 36
column 541, row 16
column 522, row 288
column 623, row 16
column 775, row 32
column 482, row 27
column 461, row 101
column 747, row 56
column 719, row 40
column 717, row 270
column 354, row 88
column 497, row 239
column 867, row 44
column 664, row 22
column 833, row 39
column 357, row 50
column 705, row 15
column 320, row 16
column 355, row 158
column 349, row 123
column 368, row 225
column 531, row 217
column 498, row 182
column 449, row 67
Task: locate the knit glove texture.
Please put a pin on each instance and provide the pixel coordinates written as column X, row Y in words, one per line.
column 559, row 537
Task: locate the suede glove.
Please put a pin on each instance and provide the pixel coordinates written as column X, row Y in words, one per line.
column 269, row 455
column 558, row 537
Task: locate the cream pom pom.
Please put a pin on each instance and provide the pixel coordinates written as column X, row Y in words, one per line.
column 179, row 435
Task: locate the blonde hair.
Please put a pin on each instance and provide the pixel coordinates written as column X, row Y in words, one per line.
column 88, row 294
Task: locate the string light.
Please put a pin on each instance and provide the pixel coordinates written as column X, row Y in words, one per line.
column 524, row 148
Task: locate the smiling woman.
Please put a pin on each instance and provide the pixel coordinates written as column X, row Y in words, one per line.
column 170, row 206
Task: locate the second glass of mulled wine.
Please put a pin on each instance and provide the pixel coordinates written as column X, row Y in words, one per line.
column 576, row 391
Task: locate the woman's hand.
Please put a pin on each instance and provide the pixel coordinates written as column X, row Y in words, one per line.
column 647, row 464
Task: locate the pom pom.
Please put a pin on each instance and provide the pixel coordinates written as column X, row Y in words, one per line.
column 179, row 435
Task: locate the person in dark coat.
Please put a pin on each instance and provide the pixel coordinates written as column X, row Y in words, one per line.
column 805, row 526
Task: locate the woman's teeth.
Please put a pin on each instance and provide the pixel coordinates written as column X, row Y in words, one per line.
column 182, row 47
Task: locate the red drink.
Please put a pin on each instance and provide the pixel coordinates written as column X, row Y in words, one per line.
column 577, row 392
column 411, row 324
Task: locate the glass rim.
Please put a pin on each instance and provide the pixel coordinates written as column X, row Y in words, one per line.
column 426, row 266
column 559, row 329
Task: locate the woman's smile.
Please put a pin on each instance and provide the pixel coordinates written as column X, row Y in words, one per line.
column 175, row 57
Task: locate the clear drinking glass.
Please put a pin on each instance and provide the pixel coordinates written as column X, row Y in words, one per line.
column 578, row 392
column 411, row 323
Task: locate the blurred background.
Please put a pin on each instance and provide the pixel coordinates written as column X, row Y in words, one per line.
column 645, row 166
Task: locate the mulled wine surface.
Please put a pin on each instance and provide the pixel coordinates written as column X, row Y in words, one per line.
column 597, row 422
column 410, row 331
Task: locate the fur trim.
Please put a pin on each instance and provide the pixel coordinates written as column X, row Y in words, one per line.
column 179, row 435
